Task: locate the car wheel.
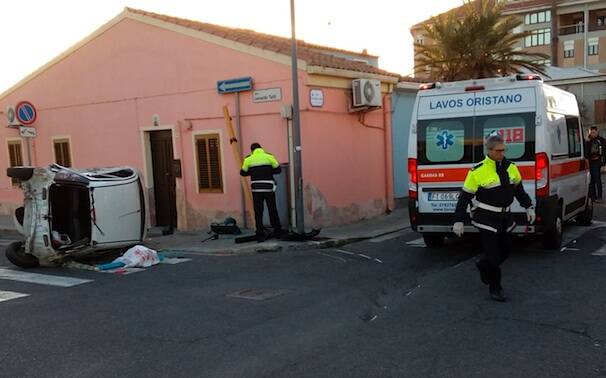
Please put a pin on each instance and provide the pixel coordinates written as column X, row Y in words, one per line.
column 433, row 240
column 15, row 253
column 21, row 173
column 584, row 219
column 552, row 239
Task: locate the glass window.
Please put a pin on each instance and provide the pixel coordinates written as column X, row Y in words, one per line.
column 535, row 39
column 445, row 140
column 533, row 18
column 541, row 16
column 541, row 40
column 548, row 16
column 527, row 19
column 516, row 129
column 528, row 41
column 574, row 136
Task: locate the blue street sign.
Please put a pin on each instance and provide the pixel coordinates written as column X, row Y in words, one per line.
column 234, row 85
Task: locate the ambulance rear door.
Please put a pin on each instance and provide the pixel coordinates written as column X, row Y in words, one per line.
column 445, row 129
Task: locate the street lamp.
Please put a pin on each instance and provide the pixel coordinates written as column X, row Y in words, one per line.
column 298, row 175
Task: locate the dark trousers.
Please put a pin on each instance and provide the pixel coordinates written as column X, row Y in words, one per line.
column 270, row 198
column 595, row 185
column 496, row 246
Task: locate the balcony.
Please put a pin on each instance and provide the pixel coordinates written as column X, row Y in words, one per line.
column 571, row 23
column 597, row 20
column 571, row 29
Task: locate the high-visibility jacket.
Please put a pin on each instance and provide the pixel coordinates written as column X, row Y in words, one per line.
column 261, row 166
column 494, row 186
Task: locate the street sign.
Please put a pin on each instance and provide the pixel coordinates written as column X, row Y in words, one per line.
column 267, row 95
column 26, row 112
column 27, row 132
column 234, row 85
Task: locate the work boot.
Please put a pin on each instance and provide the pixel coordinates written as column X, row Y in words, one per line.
column 261, row 237
column 497, row 295
column 483, row 274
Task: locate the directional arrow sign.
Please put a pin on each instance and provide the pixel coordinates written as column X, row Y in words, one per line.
column 234, row 85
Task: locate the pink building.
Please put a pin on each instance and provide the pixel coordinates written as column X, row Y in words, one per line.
column 142, row 91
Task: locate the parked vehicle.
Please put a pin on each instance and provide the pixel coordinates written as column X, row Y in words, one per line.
column 541, row 128
column 70, row 213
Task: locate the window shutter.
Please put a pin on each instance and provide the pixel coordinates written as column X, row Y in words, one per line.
column 16, row 158
column 214, row 163
column 203, row 164
column 209, row 164
column 62, row 156
column 599, row 111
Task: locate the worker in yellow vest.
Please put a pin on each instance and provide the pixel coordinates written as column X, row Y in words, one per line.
column 494, row 183
column 261, row 166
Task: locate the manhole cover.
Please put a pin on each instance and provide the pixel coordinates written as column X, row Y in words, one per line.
column 258, row 294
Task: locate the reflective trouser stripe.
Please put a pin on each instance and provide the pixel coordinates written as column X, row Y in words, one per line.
column 484, row 226
column 495, row 209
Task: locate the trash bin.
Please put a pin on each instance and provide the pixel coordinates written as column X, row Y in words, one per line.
column 282, row 191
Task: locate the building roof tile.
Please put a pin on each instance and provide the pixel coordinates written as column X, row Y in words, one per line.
column 313, row 54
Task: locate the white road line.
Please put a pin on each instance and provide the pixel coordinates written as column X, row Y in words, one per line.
column 42, row 279
column 174, row 260
column 392, row 235
column 417, row 243
column 360, row 255
column 8, row 295
column 600, row 251
column 334, row 257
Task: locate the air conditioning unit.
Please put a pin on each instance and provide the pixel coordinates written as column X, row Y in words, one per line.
column 366, row 92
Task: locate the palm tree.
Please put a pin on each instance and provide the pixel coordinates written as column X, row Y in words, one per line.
column 474, row 42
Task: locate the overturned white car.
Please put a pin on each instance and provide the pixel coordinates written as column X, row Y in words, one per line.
column 69, row 213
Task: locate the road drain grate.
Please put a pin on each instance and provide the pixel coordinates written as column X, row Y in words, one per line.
column 258, row 294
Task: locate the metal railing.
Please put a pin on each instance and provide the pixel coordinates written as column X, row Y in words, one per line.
column 571, row 29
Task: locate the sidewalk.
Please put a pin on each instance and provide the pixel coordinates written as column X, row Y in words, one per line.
column 191, row 242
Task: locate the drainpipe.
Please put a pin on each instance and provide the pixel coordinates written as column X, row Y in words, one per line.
column 389, row 200
column 586, row 26
column 554, row 33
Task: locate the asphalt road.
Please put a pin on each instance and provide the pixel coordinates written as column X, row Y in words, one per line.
column 388, row 307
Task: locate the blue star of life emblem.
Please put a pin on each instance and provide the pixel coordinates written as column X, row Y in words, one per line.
column 445, row 139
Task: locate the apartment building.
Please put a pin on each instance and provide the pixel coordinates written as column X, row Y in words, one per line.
column 571, row 32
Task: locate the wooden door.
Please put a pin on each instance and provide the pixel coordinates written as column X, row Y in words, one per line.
column 164, row 179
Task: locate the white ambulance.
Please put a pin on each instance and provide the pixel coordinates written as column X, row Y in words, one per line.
column 541, row 128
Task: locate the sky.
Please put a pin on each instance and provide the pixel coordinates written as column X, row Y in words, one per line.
column 33, row 32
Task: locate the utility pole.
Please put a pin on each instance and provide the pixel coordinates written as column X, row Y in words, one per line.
column 298, row 172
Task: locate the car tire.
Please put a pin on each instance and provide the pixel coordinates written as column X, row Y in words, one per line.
column 584, row 218
column 552, row 238
column 15, row 253
column 21, row 173
column 433, row 240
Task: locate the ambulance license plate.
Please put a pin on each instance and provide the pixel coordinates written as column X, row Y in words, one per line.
column 443, row 196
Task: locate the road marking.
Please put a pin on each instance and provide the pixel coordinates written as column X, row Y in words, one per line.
column 390, row 236
column 174, row 260
column 600, row 251
column 8, row 295
column 334, row 257
column 417, row 243
column 359, row 255
column 42, row 279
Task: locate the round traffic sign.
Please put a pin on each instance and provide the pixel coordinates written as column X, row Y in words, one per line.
column 26, row 112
